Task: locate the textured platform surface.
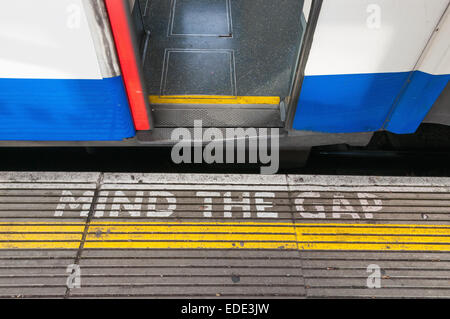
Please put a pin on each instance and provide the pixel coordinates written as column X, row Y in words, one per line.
column 234, row 236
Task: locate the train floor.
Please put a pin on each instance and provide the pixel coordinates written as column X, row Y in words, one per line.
column 222, row 47
column 79, row 235
column 225, row 62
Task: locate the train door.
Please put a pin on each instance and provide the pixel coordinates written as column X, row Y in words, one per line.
column 226, row 63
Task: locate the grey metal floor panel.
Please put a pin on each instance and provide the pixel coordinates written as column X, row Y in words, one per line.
column 222, row 47
column 129, row 241
column 217, row 116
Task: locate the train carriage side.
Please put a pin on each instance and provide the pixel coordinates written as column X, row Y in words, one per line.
column 126, row 72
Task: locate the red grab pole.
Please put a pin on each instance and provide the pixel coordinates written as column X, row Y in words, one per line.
column 122, row 31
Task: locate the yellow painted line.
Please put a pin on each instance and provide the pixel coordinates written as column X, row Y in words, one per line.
column 375, row 239
column 373, row 247
column 202, row 224
column 226, row 235
column 192, row 237
column 275, row 224
column 191, row 228
column 344, row 231
column 213, row 99
column 40, row 237
column 41, row 229
column 192, row 245
column 266, row 236
column 39, row 245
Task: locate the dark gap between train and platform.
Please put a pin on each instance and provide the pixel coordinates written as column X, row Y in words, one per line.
column 158, row 160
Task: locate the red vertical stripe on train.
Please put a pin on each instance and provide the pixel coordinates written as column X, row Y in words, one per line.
column 121, row 29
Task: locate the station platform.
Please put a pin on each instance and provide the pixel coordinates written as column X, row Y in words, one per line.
column 223, row 236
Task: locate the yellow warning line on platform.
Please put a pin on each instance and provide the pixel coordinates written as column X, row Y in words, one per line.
column 210, row 235
column 213, row 99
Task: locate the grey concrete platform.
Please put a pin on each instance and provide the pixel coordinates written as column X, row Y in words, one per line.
column 223, row 236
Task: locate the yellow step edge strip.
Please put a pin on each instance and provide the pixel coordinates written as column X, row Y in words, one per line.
column 213, row 99
column 206, row 235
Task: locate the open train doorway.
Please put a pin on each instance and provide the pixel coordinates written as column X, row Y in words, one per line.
column 228, row 63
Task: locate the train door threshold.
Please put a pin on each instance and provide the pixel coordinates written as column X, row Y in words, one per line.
column 81, row 235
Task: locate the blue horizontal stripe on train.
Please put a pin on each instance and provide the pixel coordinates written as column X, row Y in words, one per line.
column 64, row 110
column 416, row 101
column 367, row 102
